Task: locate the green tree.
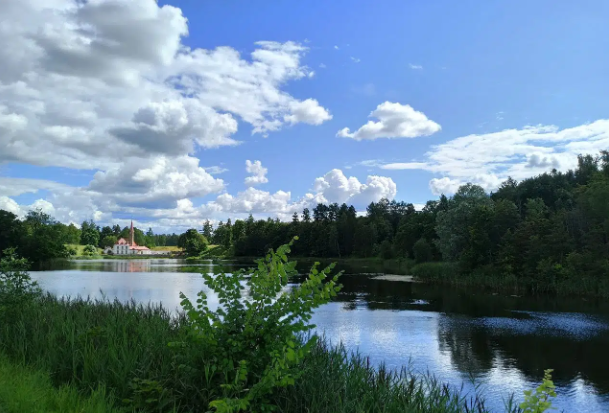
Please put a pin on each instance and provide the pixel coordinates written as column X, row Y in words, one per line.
column 11, row 230
column 192, row 242
column 386, row 250
column 72, row 234
column 108, row 241
column 306, row 215
column 105, row 232
column 139, row 236
column 208, row 230
column 89, row 250
column 423, row 251
column 453, row 225
column 150, row 239
column 364, row 240
column 88, row 233
column 42, row 238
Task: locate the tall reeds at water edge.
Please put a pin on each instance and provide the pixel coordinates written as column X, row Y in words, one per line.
column 123, row 347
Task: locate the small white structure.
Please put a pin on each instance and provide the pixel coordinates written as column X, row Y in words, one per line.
column 124, row 247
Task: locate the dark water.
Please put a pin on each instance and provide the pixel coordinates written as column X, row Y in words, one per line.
column 503, row 343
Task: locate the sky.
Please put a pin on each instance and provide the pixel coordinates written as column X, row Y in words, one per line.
column 171, row 113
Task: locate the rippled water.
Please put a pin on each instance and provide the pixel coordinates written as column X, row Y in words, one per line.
column 501, row 343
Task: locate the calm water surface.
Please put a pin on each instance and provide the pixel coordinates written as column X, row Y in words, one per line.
column 501, row 343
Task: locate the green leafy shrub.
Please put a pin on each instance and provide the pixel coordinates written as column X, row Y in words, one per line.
column 16, row 285
column 89, row 250
column 256, row 337
column 539, row 401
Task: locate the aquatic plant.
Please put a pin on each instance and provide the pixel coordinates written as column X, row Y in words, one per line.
column 539, row 400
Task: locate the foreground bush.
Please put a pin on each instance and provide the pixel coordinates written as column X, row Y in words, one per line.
column 254, row 339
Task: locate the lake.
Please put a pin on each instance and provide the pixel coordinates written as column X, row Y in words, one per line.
column 466, row 338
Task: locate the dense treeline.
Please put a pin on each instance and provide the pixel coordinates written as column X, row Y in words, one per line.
column 389, row 229
column 547, row 228
column 107, row 236
column 39, row 237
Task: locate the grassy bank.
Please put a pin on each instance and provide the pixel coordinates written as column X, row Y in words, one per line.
column 25, row 390
column 488, row 279
column 80, row 250
column 211, row 252
column 124, row 348
column 172, row 249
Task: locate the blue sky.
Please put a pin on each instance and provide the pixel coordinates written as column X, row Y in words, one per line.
column 493, row 89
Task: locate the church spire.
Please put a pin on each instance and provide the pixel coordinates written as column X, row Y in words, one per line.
column 132, row 235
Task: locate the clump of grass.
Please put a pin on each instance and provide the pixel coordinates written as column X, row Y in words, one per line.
column 336, row 381
column 436, row 271
column 24, row 390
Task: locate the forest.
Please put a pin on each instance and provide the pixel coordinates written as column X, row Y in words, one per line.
column 39, row 237
column 545, row 229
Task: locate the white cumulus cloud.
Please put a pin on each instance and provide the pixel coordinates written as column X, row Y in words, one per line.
column 257, row 171
column 129, row 191
column 489, row 159
column 110, row 86
column 308, row 111
column 336, row 187
column 394, row 121
column 90, row 84
column 156, row 182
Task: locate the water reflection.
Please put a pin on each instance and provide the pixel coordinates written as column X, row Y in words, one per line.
column 501, row 341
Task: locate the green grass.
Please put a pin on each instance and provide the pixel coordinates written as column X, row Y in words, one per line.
column 89, row 344
column 173, row 249
column 24, row 390
column 79, row 251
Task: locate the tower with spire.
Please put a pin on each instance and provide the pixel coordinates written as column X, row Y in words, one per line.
column 129, row 247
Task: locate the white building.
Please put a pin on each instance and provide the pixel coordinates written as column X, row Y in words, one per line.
column 124, row 247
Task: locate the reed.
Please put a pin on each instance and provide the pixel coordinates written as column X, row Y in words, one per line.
column 122, row 348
